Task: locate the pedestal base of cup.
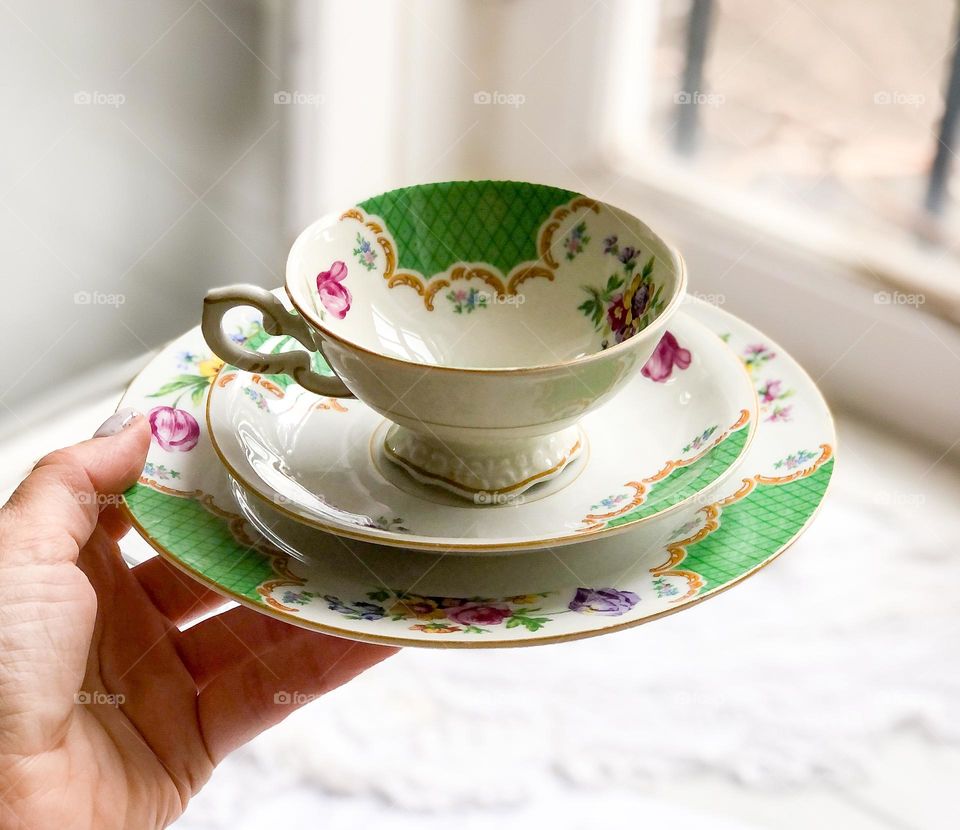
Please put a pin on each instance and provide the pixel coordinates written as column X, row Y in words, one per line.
column 485, row 473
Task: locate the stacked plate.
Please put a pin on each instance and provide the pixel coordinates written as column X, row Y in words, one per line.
column 549, row 438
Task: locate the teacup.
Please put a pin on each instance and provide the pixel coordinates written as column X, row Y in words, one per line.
column 484, row 319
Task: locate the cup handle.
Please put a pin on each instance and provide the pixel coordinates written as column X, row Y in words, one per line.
column 276, row 320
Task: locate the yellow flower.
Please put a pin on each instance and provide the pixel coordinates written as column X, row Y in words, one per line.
column 208, row 368
column 524, row 599
column 422, row 608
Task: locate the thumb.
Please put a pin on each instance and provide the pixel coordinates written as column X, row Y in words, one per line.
column 52, row 513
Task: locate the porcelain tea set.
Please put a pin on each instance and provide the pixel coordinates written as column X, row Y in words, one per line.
column 478, row 413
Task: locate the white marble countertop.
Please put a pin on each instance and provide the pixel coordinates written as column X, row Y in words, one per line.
column 819, row 693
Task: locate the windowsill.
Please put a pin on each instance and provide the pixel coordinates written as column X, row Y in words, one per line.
column 892, row 363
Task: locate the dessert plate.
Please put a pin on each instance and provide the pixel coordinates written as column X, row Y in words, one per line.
column 664, row 439
column 186, row 507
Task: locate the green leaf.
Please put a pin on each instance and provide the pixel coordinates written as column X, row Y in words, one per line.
column 613, row 284
column 532, row 623
column 178, row 383
column 648, row 268
column 378, row 596
column 197, row 394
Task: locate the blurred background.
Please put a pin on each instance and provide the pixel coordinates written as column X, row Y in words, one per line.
column 800, row 153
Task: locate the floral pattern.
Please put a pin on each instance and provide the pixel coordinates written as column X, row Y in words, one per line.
column 610, row 503
column 466, row 300
column 770, row 391
column 608, row 602
column 159, row 472
column 663, row 588
column 576, row 240
column 365, row 253
column 297, row 597
column 685, row 529
column 795, row 459
column 175, row 430
column 198, row 371
column 386, row 523
column 469, row 615
column 780, row 414
column 256, row 396
column 701, row 440
column 629, row 300
column 669, row 353
column 334, row 295
column 194, row 382
column 756, row 355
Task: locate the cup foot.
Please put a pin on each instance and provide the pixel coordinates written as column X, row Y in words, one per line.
column 483, row 473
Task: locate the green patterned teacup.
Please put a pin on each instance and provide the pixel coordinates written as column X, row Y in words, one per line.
column 483, row 318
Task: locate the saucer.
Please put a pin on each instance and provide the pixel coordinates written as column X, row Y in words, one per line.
column 185, row 506
column 652, row 449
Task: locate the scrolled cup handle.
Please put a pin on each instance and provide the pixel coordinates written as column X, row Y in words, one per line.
column 276, row 320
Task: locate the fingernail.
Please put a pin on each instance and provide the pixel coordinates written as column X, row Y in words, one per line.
column 120, row 420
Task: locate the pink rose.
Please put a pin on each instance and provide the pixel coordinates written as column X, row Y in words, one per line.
column 473, row 613
column 668, row 354
column 333, row 294
column 175, row 430
column 771, row 391
column 617, row 314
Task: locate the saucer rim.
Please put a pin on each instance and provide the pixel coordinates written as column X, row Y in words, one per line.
column 394, row 540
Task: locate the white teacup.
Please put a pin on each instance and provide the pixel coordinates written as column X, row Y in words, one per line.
column 484, row 319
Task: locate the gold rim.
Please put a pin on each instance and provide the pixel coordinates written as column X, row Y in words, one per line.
column 481, row 547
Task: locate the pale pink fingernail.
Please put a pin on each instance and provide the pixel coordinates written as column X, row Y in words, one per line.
column 120, row 420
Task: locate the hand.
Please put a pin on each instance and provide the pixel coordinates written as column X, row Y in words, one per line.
column 110, row 716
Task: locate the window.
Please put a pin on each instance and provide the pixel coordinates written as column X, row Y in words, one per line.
column 829, row 112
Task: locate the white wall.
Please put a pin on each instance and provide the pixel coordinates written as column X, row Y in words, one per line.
column 102, row 197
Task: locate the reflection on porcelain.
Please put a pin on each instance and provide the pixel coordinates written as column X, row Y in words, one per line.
column 484, row 319
column 330, row 467
column 190, row 511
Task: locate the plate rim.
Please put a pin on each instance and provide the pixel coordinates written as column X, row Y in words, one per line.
column 360, row 636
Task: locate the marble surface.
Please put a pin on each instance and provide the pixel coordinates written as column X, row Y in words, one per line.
column 818, row 693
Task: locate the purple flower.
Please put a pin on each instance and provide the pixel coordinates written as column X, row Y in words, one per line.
column 669, row 353
column 627, row 255
column 369, row 610
column 333, row 294
column 610, row 244
column 475, row 613
column 641, row 298
column 356, row 610
column 608, row 602
column 175, row 430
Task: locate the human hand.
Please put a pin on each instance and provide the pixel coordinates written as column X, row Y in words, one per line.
column 110, row 716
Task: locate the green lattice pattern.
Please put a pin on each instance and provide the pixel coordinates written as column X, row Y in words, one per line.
column 756, row 527
column 200, row 540
column 436, row 225
column 688, row 481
